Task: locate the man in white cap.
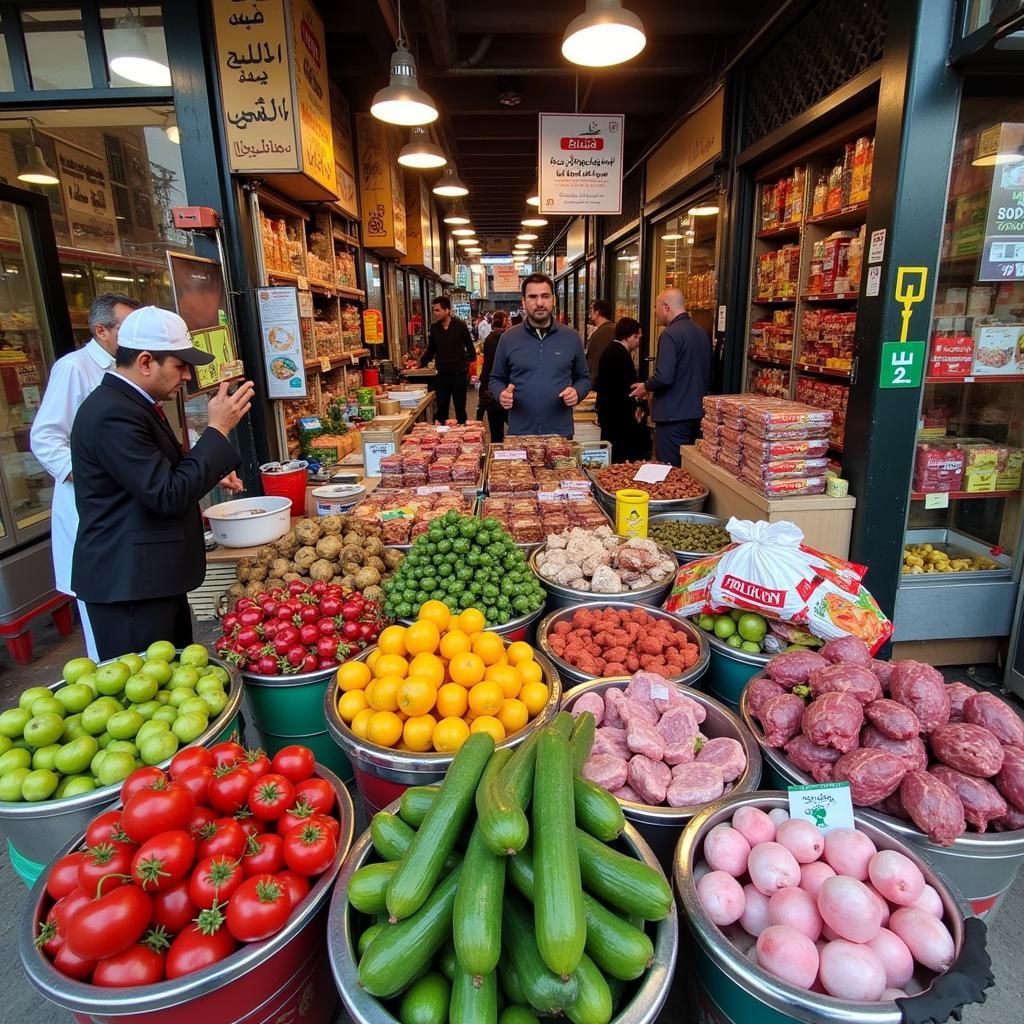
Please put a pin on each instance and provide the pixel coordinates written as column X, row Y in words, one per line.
column 140, row 546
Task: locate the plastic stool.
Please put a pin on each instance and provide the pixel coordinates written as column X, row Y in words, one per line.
column 16, row 634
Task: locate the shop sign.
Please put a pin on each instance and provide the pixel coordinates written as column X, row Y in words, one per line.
column 902, row 363
column 506, row 278
column 373, row 327
column 381, row 187
column 696, row 141
column 282, row 342
column 309, row 56
column 417, row 223
column 344, row 153
column 826, row 805
column 580, row 161
column 1002, row 257
column 88, row 198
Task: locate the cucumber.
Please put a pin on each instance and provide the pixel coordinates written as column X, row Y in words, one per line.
column 474, row 999
column 500, row 818
column 445, row 960
column 415, row 803
column 562, row 723
column 558, row 893
column 582, row 739
column 367, row 888
column 367, row 937
column 597, row 811
column 517, row 1015
column 622, row 881
column 619, row 948
column 544, row 990
column 391, row 836
column 617, row 987
column 476, row 924
column 426, row 1001
column 593, row 1002
column 420, row 868
column 510, row 984
column 402, row 951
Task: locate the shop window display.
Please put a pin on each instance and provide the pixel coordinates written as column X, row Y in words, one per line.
column 627, row 281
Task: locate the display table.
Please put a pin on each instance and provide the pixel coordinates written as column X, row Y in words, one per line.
column 400, row 424
column 825, row 521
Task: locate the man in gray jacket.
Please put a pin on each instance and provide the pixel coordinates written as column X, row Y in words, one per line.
column 540, row 370
column 681, row 378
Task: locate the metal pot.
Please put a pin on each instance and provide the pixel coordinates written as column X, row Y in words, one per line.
column 606, row 499
column 730, row 669
column 660, row 826
column 983, row 865
column 571, row 674
column 234, row 526
column 344, row 924
column 231, row 990
column 686, row 517
column 565, row 597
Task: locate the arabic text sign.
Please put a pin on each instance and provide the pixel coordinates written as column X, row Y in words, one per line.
column 580, row 161
column 506, row 278
column 313, row 108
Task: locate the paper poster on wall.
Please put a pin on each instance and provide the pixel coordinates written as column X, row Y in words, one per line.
column 88, row 198
column 580, row 162
column 1002, row 256
column 373, row 327
column 282, row 342
column 506, row 278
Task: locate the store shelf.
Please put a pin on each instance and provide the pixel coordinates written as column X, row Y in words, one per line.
column 823, row 371
column 350, row 293
column 341, row 236
column 283, row 275
column 966, row 495
column 761, row 361
column 985, row 378
column 835, row 446
column 773, row 302
column 831, row 297
column 336, row 361
column 848, row 216
column 785, row 231
column 322, row 288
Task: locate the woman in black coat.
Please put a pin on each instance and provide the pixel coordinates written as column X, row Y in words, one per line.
column 621, row 417
column 496, row 416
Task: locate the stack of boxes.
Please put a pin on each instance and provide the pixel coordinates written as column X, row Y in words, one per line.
column 778, row 273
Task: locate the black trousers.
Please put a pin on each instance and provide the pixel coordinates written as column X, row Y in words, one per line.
column 122, row 627
column 670, row 436
column 497, row 419
column 450, row 386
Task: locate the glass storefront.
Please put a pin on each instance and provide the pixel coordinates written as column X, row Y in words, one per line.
column 626, row 267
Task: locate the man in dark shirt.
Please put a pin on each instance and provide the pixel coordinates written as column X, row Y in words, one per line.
column 681, row 378
column 621, row 417
column 603, row 336
column 451, row 347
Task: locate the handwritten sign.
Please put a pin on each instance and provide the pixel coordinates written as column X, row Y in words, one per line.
column 652, row 473
column 506, row 278
column 580, row 162
column 826, row 806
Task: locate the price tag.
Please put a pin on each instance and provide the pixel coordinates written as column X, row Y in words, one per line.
column 325, row 363
column 510, row 455
column 353, row 359
column 938, row 499
column 442, row 429
column 652, row 473
column 575, row 485
column 826, row 805
column 552, row 496
column 595, row 456
column 433, row 489
column 305, row 304
column 303, row 284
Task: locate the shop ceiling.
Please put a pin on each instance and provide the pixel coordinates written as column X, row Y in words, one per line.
column 492, row 65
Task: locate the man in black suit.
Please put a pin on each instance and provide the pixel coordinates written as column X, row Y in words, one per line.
column 620, row 416
column 140, row 545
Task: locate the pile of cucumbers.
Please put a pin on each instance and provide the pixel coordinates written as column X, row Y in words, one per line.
column 499, row 892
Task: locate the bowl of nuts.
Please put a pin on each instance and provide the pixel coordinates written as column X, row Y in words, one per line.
column 680, row 491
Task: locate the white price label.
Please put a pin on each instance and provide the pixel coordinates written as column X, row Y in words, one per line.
column 938, row 499
column 575, row 485
column 510, row 455
column 433, row 489
column 652, row 473
column 442, row 429
column 826, row 805
column 552, row 495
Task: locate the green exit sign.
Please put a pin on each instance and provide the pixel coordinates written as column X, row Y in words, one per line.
column 902, row 364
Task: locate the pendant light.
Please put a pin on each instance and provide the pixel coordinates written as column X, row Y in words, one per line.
column 37, row 171
column 605, row 34
column 420, row 153
column 130, row 56
column 466, row 232
column 171, row 129
column 533, row 196
column 458, row 215
column 533, row 222
column 708, row 210
column 450, row 184
column 402, row 101
column 468, row 241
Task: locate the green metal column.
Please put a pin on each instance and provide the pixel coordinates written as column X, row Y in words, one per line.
column 917, row 115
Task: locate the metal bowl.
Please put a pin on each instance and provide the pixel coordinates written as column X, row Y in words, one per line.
column 654, row 506
column 573, row 675
column 686, row 517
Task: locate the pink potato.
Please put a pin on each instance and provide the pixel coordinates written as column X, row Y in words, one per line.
column 778, row 815
column 788, row 954
column 813, row 875
column 725, row 849
column 849, row 908
column 849, row 852
column 802, row 839
column 897, row 960
column 592, row 702
column 721, row 896
column 725, row 752
column 897, row 878
column 755, row 917
column 772, row 867
column 931, row 902
column 796, row 908
column 882, row 905
column 926, row 937
column 754, row 825
column 852, row 971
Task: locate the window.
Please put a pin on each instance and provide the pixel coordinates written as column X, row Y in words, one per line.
column 56, row 50
column 627, row 281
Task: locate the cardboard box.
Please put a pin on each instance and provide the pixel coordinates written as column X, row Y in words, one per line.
column 979, row 481
column 1008, row 478
column 951, row 354
column 995, row 349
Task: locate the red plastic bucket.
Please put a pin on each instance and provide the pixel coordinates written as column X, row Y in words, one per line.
column 371, row 378
column 290, row 484
column 376, row 792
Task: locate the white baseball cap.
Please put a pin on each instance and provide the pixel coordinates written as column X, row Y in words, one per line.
column 152, row 329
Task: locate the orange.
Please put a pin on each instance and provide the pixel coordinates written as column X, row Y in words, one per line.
column 506, row 677
column 382, row 693
column 353, row 675
column 422, row 638
column 436, row 612
column 489, row 725
column 534, row 695
column 513, row 715
column 428, row 665
column 371, row 658
column 519, row 650
column 452, row 700
column 416, row 696
column 530, row 672
column 466, row 669
column 391, row 665
column 384, row 728
column 455, row 642
column 418, row 733
column 486, row 698
column 472, row 621
column 490, row 647
column 392, row 640
column 450, row 734
column 360, row 722
column 351, row 703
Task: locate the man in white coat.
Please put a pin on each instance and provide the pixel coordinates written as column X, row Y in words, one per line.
column 72, row 379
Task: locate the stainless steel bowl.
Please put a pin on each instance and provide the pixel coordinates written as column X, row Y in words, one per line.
column 686, row 517
column 655, row 506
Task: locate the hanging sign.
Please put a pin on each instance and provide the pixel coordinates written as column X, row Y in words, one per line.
column 282, row 342
column 344, row 153
column 381, row 187
column 580, row 163
column 373, row 327
column 506, row 278
column 1002, row 256
column 88, row 198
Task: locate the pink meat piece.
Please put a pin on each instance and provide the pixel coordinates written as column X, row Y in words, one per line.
column 834, row 720
column 642, row 738
column 921, row 688
column 1011, row 821
column 997, row 716
column 892, row 719
column 606, row 771
column 913, row 751
column 727, row 753
column 760, row 690
column 695, row 784
column 981, row 800
column 592, row 702
column 626, row 793
column 780, row 718
column 609, row 740
column 1010, row 780
column 959, row 693
column 893, row 806
column 650, row 779
column 872, row 774
column 678, row 728
column 856, row 680
column 934, row 808
column 816, row 761
column 652, row 690
column 850, row 649
column 793, row 668
column 971, row 749
column 883, row 671
column 699, row 712
column 614, row 698
column 633, row 711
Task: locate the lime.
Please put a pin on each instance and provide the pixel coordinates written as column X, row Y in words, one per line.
column 750, row 646
column 734, row 641
column 707, row 623
column 752, row 627
column 195, row 655
column 736, row 614
column 32, row 694
column 133, row 661
column 76, row 668
column 724, row 627
column 161, row 650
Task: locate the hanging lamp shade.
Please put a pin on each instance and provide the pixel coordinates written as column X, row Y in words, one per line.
column 533, row 196
column 37, row 171
column 402, row 101
column 420, row 153
column 450, row 184
column 604, row 34
column 458, row 215
column 465, row 232
column 533, row 222
column 130, row 56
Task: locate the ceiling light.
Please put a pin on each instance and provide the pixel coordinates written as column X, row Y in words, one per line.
column 522, row 246
column 171, row 129
column 37, row 171
column 130, row 56
column 402, row 101
column 474, row 251
column 672, row 236
column 450, row 184
column 469, row 241
column 533, row 198
column 527, row 236
column 118, row 278
column 998, row 145
column 703, row 211
column 457, row 215
column 603, row 35
column 533, row 222
column 420, row 153
column 463, row 232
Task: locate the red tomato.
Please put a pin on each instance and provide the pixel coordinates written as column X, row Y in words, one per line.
column 197, row 779
column 310, row 663
column 295, row 763
column 214, row 880
column 105, row 865
column 250, row 617
column 65, row 909
column 201, row 817
column 199, row 946
column 227, row 752
column 257, row 762
column 222, row 836
column 110, row 924
column 259, row 907
column 190, row 757
column 172, row 908
column 141, row 778
column 267, row 665
column 48, row 939
column 297, row 886
column 251, row 825
column 136, row 965
column 163, row 860
column 330, row 822
column 229, row 788
column 229, row 622
column 298, row 814
column 104, row 827
column 271, row 796
column 264, row 855
column 309, row 849
column 308, row 634
column 63, row 877
column 162, row 807
column 73, row 966
column 318, row 793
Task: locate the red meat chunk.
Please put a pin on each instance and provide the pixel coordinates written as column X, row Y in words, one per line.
column 850, row 649
column 959, row 694
column 760, row 690
column 816, row 761
column 856, row 680
column 793, row 668
column 834, row 720
column 933, row 807
column 967, row 748
column 913, row 752
column 892, row 719
column 921, row 688
column 997, row 716
column 780, row 718
column 872, row 774
column 981, row 800
column 1010, row 780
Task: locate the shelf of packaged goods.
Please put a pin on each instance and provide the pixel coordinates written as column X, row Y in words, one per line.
column 836, row 446
column 765, row 361
column 350, row 293
column 756, row 301
column 823, row 371
column 984, row 378
column 283, row 275
column 848, row 216
column 783, row 231
column 341, row 236
column 966, row 495
column 831, row 297
column 322, row 288
column 344, row 359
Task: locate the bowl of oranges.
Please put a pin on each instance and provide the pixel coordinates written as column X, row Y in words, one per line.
column 403, row 708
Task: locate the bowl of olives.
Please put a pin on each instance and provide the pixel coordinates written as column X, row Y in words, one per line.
column 690, row 535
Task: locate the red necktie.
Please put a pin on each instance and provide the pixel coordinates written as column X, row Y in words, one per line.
column 160, row 412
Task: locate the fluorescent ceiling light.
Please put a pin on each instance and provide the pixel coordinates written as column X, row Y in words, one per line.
column 402, row 101
column 450, row 184
column 672, row 236
column 703, row 211
column 130, row 56
column 118, row 278
column 420, row 153
column 603, row 35
column 527, row 236
column 533, row 222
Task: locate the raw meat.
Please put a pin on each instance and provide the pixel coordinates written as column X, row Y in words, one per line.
column 650, row 779
column 921, row 688
column 592, row 702
column 678, row 730
column 893, row 806
column 959, row 694
column 967, row 748
column 1012, row 820
column 642, row 738
column 626, row 793
column 913, row 751
column 883, row 670
column 872, row 774
column 614, row 698
column 694, row 784
column 1010, row 780
column 995, row 715
column 631, row 711
column 934, row 808
column 834, row 720
column 780, row 718
column 760, row 690
column 856, row 680
column 850, row 649
column 809, row 757
column 892, row 719
column 793, row 668
column 609, row 740
column 727, row 753
column 606, row 771
column 981, row 800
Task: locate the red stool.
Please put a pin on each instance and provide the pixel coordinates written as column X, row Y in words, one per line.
column 17, row 637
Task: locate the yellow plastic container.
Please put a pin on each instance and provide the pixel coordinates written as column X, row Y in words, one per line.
column 631, row 512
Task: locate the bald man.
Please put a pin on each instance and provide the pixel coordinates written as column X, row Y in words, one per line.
column 681, row 378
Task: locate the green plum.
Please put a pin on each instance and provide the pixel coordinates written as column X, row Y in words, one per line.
column 133, row 661
column 165, row 714
column 220, row 672
column 147, row 708
column 184, row 676
column 189, row 727
column 209, row 684
column 45, row 757
column 125, row 745
column 75, row 697
column 161, row 650
column 28, row 697
column 76, row 785
column 734, row 641
column 76, row 668
column 725, row 627
column 194, row 705
column 195, row 655
column 42, row 730
column 95, row 716
column 750, row 647
column 752, row 627
column 179, row 695
column 125, row 724
column 151, row 728
column 104, row 739
column 110, row 678
column 39, row 785
column 140, row 689
column 73, row 729
column 10, row 784
column 48, row 705
column 89, row 679
column 158, row 747
column 115, row 767
column 17, row 757
column 216, row 702
column 5, row 744
column 75, row 757
column 97, row 760
column 707, row 623
column 158, row 670
column 13, row 722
